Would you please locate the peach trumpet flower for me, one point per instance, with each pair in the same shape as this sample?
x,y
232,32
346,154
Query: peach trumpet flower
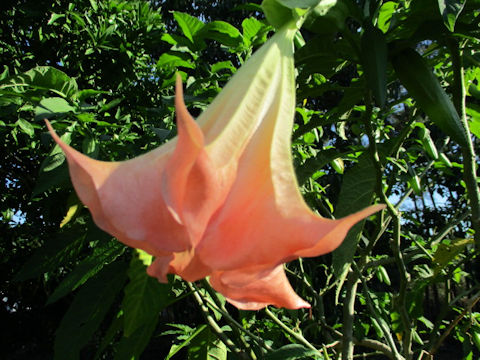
x,y
221,199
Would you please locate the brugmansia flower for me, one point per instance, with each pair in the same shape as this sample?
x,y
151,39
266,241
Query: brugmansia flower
x,y
221,199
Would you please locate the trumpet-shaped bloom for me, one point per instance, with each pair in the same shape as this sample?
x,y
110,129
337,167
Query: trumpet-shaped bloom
x,y
221,199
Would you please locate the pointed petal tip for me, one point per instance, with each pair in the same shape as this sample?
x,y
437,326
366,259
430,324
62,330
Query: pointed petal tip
x,y
52,132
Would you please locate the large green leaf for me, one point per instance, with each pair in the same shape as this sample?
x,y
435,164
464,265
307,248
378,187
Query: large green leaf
x,y
252,30
427,91
144,297
42,78
131,347
374,59
173,60
206,346
87,311
189,24
63,248
50,107
104,253
385,15
186,340
450,10
329,16
356,193
222,32
277,15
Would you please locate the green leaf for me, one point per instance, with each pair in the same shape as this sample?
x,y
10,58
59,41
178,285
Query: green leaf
x,y
222,32
62,249
425,88
374,58
53,170
94,5
328,17
51,107
56,156
189,25
474,121
130,348
54,17
104,253
277,15
176,348
450,10
144,297
356,193
115,327
87,311
42,78
385,15
222,65
252,28
446,253
302,4
90,147
171,61
313,164
206,346
58,176
26,127
292,352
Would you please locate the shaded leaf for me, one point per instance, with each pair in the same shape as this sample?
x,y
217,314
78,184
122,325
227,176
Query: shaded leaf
x,y
64,248
450,10
206,346
374,58
177,347
356,193
144,297
130,348
104,253
87,311
277,15
446,253
425,88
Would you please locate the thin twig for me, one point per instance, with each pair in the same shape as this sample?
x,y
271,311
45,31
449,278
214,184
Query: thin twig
x,y
297,336
215,327
468,308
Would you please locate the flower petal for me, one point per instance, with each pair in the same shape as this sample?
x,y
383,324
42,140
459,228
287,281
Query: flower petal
x,y
184,264
125,199
265,220
190,184
255,288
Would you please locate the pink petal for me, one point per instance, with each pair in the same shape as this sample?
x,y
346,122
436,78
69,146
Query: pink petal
x,y
255,288
125,199
264,219
192,188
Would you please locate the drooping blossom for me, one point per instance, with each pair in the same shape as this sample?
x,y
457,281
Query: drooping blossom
x,y
221,199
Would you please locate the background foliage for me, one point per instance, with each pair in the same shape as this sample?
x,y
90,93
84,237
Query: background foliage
x,y
388,108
